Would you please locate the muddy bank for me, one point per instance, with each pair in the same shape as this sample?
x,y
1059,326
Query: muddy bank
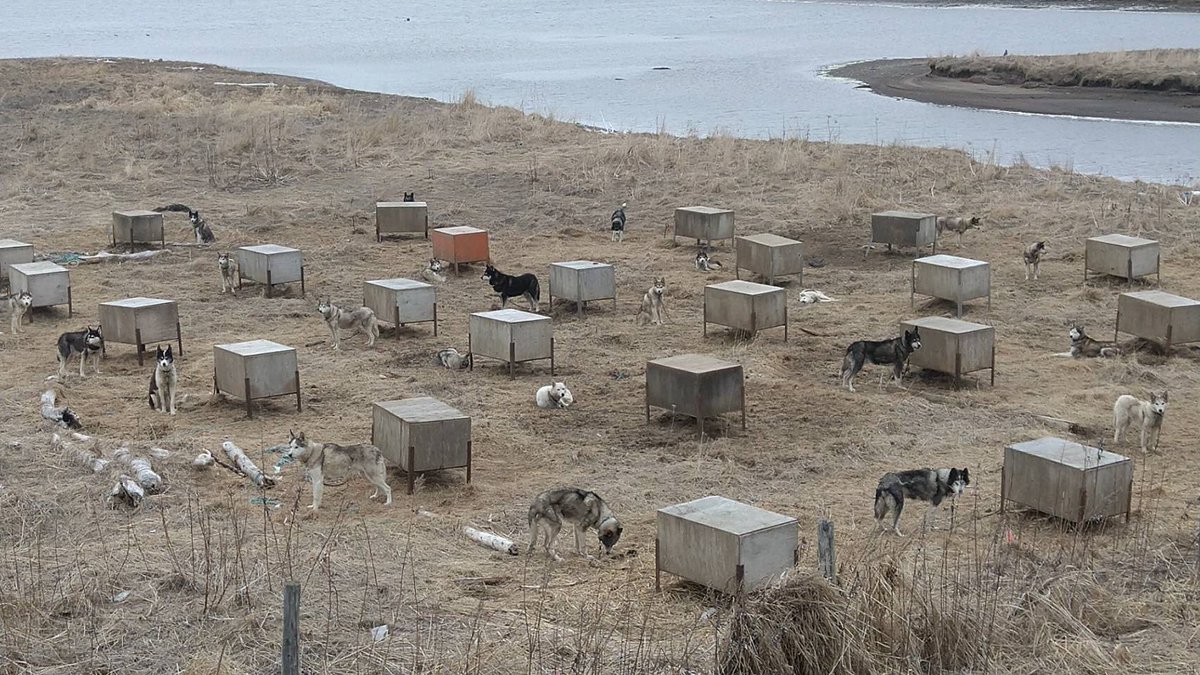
x,y
910,78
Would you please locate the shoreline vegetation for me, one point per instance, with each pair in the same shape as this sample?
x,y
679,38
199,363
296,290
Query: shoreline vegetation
x,y
1159,85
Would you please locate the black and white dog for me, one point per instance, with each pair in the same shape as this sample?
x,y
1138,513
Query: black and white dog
x,y
894,352
85,342
509,286
928,485
618,223
204,233
409,197
163,382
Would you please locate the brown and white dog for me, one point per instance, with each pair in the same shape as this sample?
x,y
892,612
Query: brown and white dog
x,y
1033,258
1148,415
583,509
958,225
337,463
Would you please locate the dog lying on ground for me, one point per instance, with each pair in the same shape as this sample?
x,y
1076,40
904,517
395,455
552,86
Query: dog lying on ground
x,y
618,224
894,352
451,359
204,233
85,343
928,485
163,381
228,273
1033,258
361,319
1083,346
1148,415
508,286
337,463
704,263
582,509
809,297
654,308
433,272
18,305
554,396
958,225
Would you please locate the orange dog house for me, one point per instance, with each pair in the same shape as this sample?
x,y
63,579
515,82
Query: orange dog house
x,y
462,244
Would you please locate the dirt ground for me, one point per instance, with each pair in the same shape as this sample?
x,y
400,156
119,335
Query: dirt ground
x,y
192,581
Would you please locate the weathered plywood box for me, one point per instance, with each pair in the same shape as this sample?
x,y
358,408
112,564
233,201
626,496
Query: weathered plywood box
x,y
953,346
137,227
422,434
1067,480
401,301
904,228
401,218
462,244
696,385
141,322
1161,317
746,306
511,336
725,545
770,256
582,281
13,252
49,283
1122,256
952,278
270,264
256,369
703,223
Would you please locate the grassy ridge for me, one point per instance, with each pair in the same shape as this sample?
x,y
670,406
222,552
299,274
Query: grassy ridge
x,y
1173,70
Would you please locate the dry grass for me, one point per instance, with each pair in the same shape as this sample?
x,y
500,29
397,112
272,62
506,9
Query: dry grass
x,y
1176,70
302,164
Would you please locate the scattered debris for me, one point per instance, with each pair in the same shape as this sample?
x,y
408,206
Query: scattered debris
x,y
245,84
203,460
379,633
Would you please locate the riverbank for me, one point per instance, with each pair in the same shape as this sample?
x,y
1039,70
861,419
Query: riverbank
x,y
911,79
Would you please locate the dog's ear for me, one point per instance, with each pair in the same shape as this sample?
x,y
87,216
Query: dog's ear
x,y
168,352
966,476
292,434
1164,396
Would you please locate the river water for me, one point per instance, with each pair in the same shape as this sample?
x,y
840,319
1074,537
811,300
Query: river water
x,y
745,67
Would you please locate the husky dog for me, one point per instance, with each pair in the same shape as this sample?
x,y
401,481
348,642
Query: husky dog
x,y
618,223
451,359
338,462
409,197
809,297
706,264
894,352
18,305
1033,258
959,225
228,275
929,485
433,272
554,396
654,310
512,287
1083,346
1148,415
361,320
163,382
582,509
204,233
83,342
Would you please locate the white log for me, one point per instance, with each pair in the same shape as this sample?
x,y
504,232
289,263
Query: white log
x,y
105,256
146,477
87,457
127,491
492,541
63,416
203,460
247,467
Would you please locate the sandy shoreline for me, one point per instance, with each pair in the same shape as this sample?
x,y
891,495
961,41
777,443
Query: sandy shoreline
x,y
909,78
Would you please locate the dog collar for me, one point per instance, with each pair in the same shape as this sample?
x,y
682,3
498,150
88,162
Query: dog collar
x,y
605,520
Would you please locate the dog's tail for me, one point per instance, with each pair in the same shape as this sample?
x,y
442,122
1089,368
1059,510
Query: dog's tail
x,y
888,498
179,208
535,290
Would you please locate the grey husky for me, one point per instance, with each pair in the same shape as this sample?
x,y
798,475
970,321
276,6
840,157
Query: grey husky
x,y
958,225
894,352
164,381
433,272
928,485
582,509
228,273
1033,258
654,308
85,342
337,463
361,319
1083,346
204,233
451,358
19,305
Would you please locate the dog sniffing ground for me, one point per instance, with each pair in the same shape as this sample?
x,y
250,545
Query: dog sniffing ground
x,y
191,582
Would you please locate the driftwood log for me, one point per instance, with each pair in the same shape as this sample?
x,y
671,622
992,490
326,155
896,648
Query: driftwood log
x,y
492,541
126,491
62,416
146,477
105,256
248,468
87,456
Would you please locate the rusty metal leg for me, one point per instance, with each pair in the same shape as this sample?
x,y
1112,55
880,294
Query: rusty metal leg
x,y
179,338
412,474
141,348
470,355
469,462
512,357
246,391
435,320
299,407
552,357
657,568
268,283
302,293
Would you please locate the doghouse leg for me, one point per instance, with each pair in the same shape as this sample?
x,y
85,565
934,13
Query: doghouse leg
x,y
299,408
268,283
179,337
552,357
469,462
141,348
512,357
435,319
657,568
246,391
471,362
412,454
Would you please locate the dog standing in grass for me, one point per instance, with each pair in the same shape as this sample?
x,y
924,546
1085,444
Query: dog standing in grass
x,y
1033,258
584,510
338,463
86,342
164,381
957,225
618,224
361,320
228,273
928,485
1148,415
18,305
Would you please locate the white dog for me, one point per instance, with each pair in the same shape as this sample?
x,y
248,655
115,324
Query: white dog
x,y
554,396
1148,415
809,297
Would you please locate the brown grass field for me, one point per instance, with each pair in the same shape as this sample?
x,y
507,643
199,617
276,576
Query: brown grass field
x,y
302,164
1171,70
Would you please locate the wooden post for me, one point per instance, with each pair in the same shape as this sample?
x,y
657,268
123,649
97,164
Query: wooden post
x,y
826,560
291,629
